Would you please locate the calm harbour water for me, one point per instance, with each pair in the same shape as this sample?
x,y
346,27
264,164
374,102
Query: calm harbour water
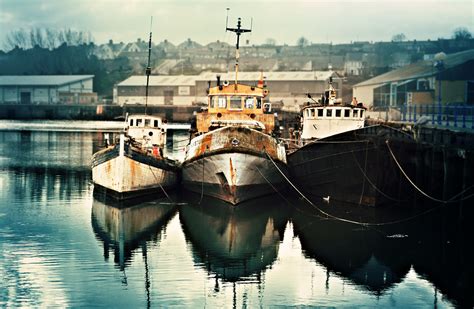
x,y
61,246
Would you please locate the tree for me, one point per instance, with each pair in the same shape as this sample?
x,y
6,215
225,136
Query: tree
x,y
302,42
46,38
270,42
462,34
400,37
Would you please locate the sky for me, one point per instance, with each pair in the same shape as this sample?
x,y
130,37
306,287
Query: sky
x,y
320,21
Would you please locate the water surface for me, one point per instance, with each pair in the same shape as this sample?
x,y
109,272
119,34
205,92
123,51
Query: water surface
x,y
61,246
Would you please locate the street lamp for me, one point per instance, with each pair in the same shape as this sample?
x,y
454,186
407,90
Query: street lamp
x,y
439,65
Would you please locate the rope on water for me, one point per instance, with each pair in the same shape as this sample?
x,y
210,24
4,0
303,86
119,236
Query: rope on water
x,y
451,200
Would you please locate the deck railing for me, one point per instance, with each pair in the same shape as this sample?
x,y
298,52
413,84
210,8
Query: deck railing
x,y
457,116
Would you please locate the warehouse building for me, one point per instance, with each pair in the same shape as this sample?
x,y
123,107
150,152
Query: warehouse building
x,y
447,79
47,89
288,88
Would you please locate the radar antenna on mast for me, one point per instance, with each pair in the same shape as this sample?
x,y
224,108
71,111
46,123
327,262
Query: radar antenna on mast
x,y
238,31
148,68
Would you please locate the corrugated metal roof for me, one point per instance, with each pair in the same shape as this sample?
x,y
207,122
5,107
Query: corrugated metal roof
x,y
41,80
419,69
270,76
161,80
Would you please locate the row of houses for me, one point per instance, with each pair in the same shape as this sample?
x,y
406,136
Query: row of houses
x,y
445,79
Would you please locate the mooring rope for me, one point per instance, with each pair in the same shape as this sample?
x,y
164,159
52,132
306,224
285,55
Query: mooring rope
x,y
159,183
365,168
202,179
365,224
372,184
418,189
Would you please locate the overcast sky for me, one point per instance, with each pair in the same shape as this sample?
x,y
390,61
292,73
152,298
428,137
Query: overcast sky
x,y
320,21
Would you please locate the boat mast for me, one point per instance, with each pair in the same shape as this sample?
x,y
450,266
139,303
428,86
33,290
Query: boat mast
x,y
148,69
238,31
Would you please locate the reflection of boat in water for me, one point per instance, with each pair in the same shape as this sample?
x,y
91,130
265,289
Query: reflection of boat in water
x,y
135,165
124,229
233,150
366,257
234,243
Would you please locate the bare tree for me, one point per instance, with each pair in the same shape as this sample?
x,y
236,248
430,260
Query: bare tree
x,y
302,42
270,42
46,38
400,37
462,34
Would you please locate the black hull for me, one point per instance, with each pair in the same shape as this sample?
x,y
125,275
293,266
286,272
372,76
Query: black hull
x,y
354,167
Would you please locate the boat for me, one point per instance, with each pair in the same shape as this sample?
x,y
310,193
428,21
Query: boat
x,y
329,116
234,153
135,165
340,158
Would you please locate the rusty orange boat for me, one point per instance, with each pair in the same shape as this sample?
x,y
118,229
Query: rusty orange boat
x,y
234,153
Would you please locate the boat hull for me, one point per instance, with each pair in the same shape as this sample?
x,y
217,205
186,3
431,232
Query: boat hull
x,y
353,167
132,173
234,165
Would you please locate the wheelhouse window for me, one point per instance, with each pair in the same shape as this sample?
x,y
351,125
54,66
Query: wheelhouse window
x,y
361,114
131,122
347,113
307,113
329,112
139,122
218,102
155,123
313,113
249,102
338,113
354,113
320,112
235,102
147,122
259,103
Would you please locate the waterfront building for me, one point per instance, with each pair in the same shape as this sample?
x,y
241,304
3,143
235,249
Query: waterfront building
x,y
421,83
47,89
288,88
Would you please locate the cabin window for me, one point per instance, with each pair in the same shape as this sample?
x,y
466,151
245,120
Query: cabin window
x,y
219,102
131,122
249,102
320,112
307,113
259,103
313,113
354,113
139,122
361,114
155,123
235,102
329,112
347,113
338,113
147,122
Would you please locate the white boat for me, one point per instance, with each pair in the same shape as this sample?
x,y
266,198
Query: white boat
x,y
135,165
233,153
330,117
